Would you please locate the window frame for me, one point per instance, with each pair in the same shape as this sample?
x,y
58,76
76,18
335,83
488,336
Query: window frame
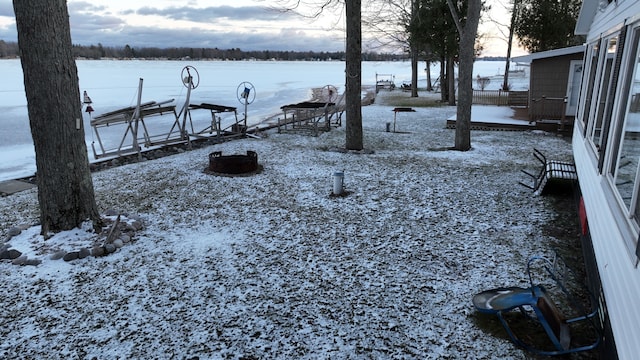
x,y
602,94
589,78
627,217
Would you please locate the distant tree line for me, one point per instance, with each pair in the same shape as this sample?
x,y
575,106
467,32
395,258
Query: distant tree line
x,y
10,50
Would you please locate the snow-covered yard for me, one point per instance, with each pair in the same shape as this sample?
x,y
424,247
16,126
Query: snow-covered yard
x,y
271,266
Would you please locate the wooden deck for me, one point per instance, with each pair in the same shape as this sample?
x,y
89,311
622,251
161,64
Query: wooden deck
x,y
519,121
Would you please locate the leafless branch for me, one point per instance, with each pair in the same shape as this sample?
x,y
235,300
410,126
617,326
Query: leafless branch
x,y
454,15
300,7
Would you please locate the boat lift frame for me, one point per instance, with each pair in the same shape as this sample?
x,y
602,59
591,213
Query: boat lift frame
x,y
314,116
191,81
134,119
238,127
310,116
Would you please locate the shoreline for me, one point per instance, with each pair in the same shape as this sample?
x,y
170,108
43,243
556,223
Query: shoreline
x,y
316,96
7,185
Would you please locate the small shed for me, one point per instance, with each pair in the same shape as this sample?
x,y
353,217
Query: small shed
x,y
554,83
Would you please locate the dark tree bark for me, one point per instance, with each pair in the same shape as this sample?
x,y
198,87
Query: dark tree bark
x,y
414,72
514,12
451,79
428,71
465,75
444,85
353,97
415,4
65,186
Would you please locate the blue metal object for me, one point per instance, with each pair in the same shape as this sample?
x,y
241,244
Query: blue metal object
x,y
535,299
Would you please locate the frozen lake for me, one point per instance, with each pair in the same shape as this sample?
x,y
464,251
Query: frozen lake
x,y
113,84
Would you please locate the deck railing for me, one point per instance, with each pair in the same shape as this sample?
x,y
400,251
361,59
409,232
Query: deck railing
x,y
500,97
548,108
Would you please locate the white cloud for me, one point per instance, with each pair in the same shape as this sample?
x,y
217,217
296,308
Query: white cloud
x,y
244,24
166,25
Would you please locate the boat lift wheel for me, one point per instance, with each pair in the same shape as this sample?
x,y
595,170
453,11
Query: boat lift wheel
x,y
246,93
329,93
190,77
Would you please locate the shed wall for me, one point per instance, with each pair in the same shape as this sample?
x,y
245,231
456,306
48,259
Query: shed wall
x,y
548,86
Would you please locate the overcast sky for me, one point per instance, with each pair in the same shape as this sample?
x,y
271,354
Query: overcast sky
x,y
225,24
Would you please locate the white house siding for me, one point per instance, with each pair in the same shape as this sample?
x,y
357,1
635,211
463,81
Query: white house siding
x,y
612,17
620,279
616,262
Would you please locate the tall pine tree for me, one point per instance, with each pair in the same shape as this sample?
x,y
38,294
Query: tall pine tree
x,y
542,25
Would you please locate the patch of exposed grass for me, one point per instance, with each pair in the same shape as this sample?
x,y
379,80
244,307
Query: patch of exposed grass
x,y
399,98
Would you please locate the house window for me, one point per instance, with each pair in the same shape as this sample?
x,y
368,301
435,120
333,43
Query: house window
x,y
573,87
626,140
591,63
604,93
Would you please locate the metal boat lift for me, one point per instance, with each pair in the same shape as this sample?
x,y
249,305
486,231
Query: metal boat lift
x,y
314,116
385,82
136,128
137,132
216,122
238,127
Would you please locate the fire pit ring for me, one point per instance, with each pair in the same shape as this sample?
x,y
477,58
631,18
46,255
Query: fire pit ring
x,y
233,164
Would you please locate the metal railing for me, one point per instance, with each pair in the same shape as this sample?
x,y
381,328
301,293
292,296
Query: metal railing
x,y
548,108
500,97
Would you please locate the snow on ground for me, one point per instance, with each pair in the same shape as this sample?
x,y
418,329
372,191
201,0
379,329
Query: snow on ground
x,y
271,266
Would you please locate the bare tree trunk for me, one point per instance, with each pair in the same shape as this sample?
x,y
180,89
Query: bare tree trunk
x,y
428,70
353,97
451,77
465,75
514,12
444,85
415,5
414,72
65,186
